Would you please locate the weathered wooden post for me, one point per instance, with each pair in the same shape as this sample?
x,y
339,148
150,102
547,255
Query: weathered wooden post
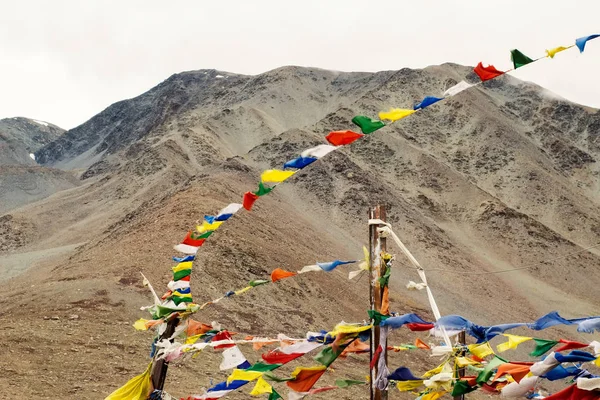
x,y
377,269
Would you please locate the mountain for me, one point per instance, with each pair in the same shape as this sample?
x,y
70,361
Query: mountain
x,y
20,137
495,191
22,180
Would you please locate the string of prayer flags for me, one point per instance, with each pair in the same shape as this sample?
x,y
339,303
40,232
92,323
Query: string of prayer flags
x,y
456,89
341,138
137,388
519,59
512,343
580,42
279,274
542,346
299,162
275,175
366,124
395,114
426,102
486,73
552,52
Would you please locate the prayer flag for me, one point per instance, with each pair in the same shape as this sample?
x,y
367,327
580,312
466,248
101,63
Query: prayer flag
x,y
456,89
406,386
486,73
340,138
344,383
552,52
513,342
299,162
262,189
305,378
279,274
249,199
542,346
519,59
261,387
481,350
395,114
275,175
137,388
569,344
366,124
426,102
580,43
318,152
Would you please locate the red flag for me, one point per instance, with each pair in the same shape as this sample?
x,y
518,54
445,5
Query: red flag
x,y
339,138
419,327
223,335
249,199
192,242
574,393
421,344
277,357
517,370
486,73
279,274
376,357
569,345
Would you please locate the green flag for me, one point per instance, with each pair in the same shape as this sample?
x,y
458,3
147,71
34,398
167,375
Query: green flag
x,y
385,279
274,395
462,387
204,235
542,346
262,190
488,371
344,383
262,367
366,124
327,356
257,282
519,59
377,317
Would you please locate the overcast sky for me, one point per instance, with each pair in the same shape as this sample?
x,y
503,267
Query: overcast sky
x,y
65,61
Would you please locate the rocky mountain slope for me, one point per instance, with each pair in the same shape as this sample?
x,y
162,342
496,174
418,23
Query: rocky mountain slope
x,y
500,177
22,180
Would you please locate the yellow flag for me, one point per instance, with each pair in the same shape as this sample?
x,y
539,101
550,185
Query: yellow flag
x,y
481,350
208,227
462,362
340,328
243,375
261,387
183,265
552,52
406,386
513,342
244,290
275,175
597,362
140,324
436,370
433,395
395,114
137,388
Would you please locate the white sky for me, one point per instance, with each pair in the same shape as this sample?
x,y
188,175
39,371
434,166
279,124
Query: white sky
x,y
65,61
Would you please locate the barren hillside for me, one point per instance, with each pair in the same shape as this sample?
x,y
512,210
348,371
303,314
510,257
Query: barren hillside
x,y
499,177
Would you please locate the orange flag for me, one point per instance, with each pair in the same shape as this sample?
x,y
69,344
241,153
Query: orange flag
x,y
279,274
421,344
305,378
196,328
517,370
355,347
385,301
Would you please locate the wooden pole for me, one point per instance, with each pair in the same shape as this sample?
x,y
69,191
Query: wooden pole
x,y
376,271
159,368
462,339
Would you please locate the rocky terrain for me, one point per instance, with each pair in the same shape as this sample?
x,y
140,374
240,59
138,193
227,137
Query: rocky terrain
x,y
500,177
22,180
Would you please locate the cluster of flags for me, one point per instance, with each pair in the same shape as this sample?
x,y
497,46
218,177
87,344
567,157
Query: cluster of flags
x,y
179,298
